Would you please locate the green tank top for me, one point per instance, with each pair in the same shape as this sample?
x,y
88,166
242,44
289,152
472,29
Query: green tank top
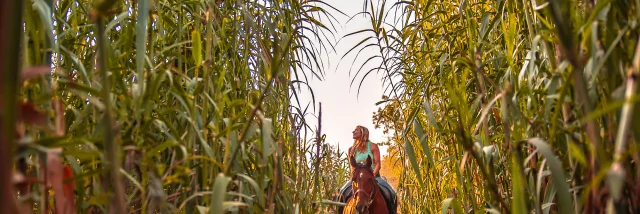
x,y
361,157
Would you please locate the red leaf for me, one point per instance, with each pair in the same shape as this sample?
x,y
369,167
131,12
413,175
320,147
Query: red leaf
x,y
68,189
30,115
55,176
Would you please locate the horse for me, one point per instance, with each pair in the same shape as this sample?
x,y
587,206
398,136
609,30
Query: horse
x,y
367,195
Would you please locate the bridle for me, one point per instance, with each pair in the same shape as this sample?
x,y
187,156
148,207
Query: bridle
x,y
371,196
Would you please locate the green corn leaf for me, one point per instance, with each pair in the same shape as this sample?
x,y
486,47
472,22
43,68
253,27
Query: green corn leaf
x,y
451,203
423,141
565,202
219,193
412,158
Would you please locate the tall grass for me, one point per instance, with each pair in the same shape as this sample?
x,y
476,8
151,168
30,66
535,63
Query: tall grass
x,y
165,106
518,106
192,106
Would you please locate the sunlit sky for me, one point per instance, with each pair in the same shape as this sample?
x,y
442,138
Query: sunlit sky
x,y
342,108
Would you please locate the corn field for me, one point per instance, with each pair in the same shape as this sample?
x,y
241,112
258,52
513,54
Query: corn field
x,y
163,107
510,106
193,106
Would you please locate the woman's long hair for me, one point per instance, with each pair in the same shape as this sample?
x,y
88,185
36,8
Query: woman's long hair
x,y
364,137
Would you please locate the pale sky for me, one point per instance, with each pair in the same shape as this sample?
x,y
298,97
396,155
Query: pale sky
x,y
342,108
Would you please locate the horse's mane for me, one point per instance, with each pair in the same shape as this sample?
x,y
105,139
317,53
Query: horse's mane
x,y
361,165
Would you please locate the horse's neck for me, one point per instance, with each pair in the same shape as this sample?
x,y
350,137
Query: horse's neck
x,y
380,205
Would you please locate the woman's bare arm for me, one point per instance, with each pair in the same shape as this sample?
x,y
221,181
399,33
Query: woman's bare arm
x,y
348,157
376,157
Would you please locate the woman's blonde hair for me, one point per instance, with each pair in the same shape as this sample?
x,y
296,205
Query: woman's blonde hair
x,y
364,133
364,137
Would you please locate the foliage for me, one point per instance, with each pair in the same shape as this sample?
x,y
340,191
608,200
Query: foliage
x,y
391,168
516,106
166,106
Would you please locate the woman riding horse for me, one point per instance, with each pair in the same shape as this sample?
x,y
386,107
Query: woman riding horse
x,y
361,150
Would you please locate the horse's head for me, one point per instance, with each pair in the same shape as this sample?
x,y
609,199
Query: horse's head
x,y
363,184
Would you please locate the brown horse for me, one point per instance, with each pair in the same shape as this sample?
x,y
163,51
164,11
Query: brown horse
x,y
367,195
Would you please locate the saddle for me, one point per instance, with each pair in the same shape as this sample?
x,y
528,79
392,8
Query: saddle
x,y
392,202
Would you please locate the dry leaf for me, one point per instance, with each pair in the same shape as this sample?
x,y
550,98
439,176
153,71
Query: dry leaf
x,y
59,117
29,73
19,130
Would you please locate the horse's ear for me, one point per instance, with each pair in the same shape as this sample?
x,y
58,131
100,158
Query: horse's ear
x,y
352,161
368,162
